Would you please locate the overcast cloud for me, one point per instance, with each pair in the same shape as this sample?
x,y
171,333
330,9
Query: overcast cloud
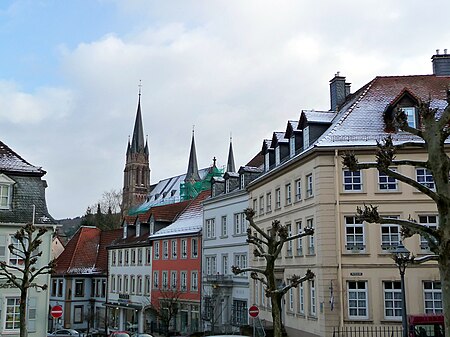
x,y
68,99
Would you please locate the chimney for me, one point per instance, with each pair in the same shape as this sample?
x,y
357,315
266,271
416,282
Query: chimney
x,y
338,91
441,63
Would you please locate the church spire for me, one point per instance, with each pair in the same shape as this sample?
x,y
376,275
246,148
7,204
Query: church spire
x,y
192,171
230,163
137,143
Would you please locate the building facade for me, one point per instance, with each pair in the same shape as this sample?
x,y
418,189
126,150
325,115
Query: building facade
x,y
22,201
305,185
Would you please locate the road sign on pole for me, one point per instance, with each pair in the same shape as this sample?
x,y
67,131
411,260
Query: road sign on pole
x,y
56,311
253,311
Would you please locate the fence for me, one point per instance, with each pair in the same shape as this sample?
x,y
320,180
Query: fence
x,y
368,331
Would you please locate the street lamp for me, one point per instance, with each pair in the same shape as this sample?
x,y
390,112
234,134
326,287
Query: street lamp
x,y
401,257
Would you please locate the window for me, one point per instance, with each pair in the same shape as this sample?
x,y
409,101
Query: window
x,y
183,248
309,186
148,256
390,235
183,280
301,299
14,258
31,324
173,279
224,226
261,205
298,224
78,314
6,188
242,181
60,288
311,243
306,137
120,254
165,249
194,248
174,249
289,243
386,183
357,299
266,161
139,254
298,190
113,283
352,181
430,221
277,155
12,319
255,205
133,256
211,266
432,294
240,260
126,284
147,286
354,234
114,257
127,257
156,250
291,299
210,228
313,304
227,186
240,224
165,279
269,202
425,178
410,113
119,286
277,198
287,190
133,284
240,314
194,281
292,146
155,280
139,285
224,264
79,288
392,299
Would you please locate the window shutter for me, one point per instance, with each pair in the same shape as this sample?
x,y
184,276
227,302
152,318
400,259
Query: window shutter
x,y
32,314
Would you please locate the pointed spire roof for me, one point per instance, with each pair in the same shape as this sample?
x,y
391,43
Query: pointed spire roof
x,y
230,163
192,172
137,143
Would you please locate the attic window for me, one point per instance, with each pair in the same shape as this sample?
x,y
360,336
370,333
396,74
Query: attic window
x,y
266,161
306,137
172,193
410,116
292,146
6,188
164,194
277,155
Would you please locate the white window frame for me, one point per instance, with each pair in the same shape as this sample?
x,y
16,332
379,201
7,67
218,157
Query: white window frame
x,y
355,239
184,250
387,183
194,280
411,118
210,225
173,279
388,234
173,250
289,244
425,177
432,297
292,146
277,198
165,249
12,305
311,241
156,251
277,155
224,226
313,298
261,205
194,248
298,189
392,297
298,225
183,280
352,181
301,299
268,202
288,193
430,221
155,279
357,300
225,264
309,186
6,191
306,137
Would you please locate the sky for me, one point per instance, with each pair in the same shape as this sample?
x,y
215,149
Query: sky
x,y
70,74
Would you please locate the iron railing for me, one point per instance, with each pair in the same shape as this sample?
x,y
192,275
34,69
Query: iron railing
x,y
368,331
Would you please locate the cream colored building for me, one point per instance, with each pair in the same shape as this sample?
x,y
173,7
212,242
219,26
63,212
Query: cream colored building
x,y
305,184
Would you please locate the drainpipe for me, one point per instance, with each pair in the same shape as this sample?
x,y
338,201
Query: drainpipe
x,y
339,238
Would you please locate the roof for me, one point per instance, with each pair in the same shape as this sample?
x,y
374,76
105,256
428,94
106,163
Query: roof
x,y
86,252
320,117
353,126
10,161
189,222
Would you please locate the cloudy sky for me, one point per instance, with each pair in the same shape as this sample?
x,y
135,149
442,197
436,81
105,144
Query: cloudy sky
x,y
70,72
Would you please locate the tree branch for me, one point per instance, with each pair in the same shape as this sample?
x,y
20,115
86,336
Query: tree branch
x,y
307,231
295,281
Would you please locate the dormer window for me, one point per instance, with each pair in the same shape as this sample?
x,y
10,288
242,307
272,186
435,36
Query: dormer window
x,y
267,161
306,137
227,186
6,187
277,155
242,178
410,116
292,146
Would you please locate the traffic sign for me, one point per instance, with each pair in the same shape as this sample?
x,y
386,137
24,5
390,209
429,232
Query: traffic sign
x,y
253,311
56,311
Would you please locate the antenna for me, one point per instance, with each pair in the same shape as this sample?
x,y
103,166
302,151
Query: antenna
x,y
140,87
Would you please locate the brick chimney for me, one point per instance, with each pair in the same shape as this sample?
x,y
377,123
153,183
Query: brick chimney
x,y
339,90
441,63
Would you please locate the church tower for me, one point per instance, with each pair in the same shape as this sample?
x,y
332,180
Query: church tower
x,y
136,177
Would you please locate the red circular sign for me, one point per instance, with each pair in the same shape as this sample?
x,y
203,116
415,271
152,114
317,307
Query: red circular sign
x,y
56,311
253,311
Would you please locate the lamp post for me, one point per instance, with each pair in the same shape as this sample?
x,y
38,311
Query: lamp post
x,y
401,257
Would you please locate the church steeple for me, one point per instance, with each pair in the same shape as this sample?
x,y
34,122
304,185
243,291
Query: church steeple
x,y
192,171
230,163
136,181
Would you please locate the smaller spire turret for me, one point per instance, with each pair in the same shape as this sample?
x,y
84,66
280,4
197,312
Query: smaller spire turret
x,y
192,171
230,162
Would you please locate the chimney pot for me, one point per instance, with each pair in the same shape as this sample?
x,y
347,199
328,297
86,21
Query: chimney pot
x,y
437,51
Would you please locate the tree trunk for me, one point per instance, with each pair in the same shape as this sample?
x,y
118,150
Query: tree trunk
x,y
276,315
23,313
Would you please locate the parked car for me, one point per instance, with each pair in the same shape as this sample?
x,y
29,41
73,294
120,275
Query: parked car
x,y
142,335
119,334
65,333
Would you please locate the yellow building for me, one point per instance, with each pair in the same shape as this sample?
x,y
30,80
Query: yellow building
x,y
305,184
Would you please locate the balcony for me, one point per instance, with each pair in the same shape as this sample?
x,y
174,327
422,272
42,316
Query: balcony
x,y
219,280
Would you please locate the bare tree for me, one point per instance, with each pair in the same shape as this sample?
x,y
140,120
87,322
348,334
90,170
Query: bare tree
x,y
432,133
268,245
23,276
165,307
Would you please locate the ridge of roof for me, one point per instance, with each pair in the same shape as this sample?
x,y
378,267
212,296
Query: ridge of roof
x,y
12,161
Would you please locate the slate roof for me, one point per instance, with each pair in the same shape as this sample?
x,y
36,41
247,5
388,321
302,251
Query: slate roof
x,y
11,162
189,222
360,120
85,253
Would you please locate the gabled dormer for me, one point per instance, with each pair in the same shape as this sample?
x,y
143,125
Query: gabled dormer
x,y
269,154
231,181
247,174
313,124
281,146
294,137
408,102
217,186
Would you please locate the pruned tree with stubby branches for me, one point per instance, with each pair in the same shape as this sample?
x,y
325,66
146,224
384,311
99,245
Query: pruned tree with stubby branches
x,y
269,245
432,136
165,306
23,275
